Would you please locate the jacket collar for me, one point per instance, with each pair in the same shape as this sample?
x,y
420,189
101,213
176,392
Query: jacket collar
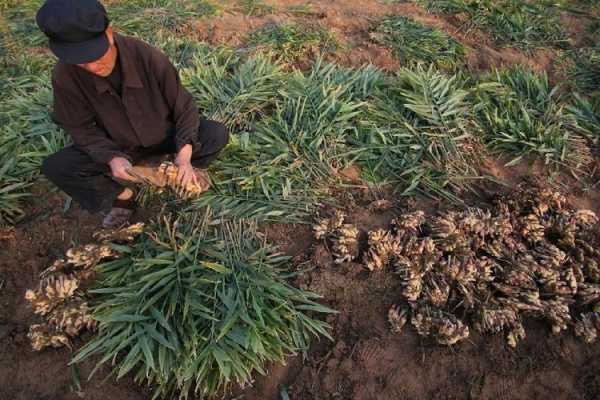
x,y
131,77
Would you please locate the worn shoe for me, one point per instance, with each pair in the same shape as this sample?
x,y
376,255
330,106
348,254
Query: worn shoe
x,y
120,214
117,218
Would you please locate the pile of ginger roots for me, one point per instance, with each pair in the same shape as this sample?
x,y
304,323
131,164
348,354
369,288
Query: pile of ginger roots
x,y
529,255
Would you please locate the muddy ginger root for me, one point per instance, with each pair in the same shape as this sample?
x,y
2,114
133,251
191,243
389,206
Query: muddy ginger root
x,y
408,224
72,318
587,327
589,293
125,234
41,336
436,291
345,244
328,226
397,318
445,328
411,278
87,256
382,248
532,229
501,320
59,298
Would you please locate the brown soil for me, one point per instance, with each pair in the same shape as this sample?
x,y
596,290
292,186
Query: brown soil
x,y
365,360
352,22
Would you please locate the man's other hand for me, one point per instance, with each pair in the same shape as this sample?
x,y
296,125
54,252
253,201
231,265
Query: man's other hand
x,y
185,175
119,167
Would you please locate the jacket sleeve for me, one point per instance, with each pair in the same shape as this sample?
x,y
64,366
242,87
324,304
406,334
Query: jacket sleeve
x,y
73,113
180,101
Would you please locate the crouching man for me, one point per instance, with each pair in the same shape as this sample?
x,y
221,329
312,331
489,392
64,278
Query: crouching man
x,y
121,101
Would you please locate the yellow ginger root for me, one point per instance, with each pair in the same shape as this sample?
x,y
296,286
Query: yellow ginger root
x,y
42,336
326,227
170,172
87,256
397,317
345,244
445,328
498,320
125,234
382,247
72,318
165,176
587,327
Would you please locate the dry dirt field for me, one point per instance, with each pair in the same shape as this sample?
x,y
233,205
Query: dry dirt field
x,y
366,361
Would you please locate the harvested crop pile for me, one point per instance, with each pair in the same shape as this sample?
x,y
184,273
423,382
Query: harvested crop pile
x,y
60,298
165,176
196,304
530,255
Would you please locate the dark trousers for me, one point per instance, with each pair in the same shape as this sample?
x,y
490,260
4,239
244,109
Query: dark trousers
x,y
90,184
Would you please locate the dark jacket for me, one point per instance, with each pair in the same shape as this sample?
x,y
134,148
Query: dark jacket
x,y
153,105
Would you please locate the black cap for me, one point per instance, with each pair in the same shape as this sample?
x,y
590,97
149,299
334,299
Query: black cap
x,y
76,29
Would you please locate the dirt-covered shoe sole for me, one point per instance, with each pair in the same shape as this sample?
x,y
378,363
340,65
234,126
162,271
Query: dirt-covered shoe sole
x,y
117,218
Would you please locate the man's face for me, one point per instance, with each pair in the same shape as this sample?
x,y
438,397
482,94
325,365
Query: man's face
x,y
105,64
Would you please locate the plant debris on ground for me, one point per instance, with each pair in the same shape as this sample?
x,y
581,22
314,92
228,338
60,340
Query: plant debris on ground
x,y
520,113
294,43
519,23
414,43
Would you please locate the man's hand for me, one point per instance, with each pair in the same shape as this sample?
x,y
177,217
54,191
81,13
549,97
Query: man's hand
x,y
186,174
119,167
